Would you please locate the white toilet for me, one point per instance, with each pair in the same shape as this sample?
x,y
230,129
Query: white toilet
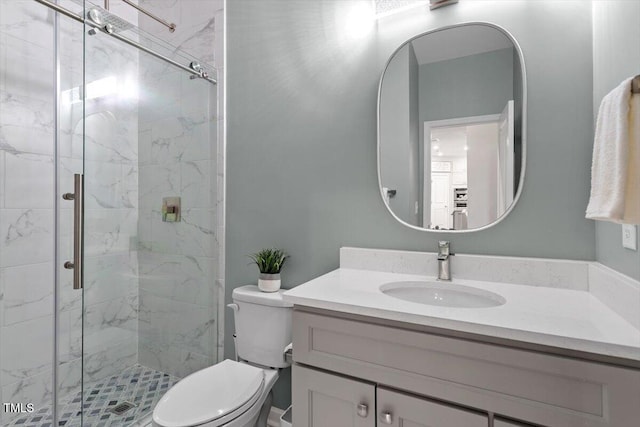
x,y
230,393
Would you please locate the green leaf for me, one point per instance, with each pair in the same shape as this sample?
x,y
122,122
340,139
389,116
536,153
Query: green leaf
x,y
269,261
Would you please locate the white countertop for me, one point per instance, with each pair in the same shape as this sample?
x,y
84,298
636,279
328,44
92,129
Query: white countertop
x,y
564,318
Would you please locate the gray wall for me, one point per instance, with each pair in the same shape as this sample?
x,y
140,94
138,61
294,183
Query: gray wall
x,y
399,130
517,126
474,85
301,154
616,56
414,135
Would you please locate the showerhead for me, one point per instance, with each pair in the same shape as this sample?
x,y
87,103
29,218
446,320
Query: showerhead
x,y
108,21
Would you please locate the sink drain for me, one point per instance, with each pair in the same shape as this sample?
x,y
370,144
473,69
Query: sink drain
x,y
121,408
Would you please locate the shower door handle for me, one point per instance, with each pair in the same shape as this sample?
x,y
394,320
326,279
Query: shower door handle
x,y
78,228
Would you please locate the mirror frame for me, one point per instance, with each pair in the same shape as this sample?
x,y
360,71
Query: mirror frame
x,y
523,166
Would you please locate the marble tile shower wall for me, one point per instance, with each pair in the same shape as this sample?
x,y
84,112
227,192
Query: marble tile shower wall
x,y
111,208
110,153
180,275
27,221
26,205
180,267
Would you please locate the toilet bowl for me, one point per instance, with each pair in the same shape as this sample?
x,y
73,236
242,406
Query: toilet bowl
x,y
230,393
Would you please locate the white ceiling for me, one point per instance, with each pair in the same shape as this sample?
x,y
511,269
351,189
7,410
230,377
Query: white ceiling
x,y
450,142
458,42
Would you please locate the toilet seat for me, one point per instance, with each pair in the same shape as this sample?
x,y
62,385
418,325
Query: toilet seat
x,y
211,397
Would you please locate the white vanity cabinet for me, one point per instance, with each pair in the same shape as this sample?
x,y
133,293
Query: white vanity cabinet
x,y
323,399
410,373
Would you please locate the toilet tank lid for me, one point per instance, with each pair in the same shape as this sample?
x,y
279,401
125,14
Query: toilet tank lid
x,y
253,295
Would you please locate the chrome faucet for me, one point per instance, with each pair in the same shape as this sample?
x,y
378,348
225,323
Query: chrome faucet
x,y
444,269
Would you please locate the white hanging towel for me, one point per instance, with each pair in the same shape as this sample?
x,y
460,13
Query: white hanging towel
x,y
632,190
615,168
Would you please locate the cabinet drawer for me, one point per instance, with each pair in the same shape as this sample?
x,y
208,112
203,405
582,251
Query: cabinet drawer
x,y
540,388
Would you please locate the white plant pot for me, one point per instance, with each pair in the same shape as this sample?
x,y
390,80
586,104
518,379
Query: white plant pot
x,y
269,282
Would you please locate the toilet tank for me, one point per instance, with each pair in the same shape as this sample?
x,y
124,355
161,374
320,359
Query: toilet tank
x,y
263,326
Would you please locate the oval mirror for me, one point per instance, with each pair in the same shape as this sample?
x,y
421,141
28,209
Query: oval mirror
x,y
451,128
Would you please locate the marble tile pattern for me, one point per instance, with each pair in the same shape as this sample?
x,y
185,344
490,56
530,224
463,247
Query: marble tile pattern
x,y
27,201
26,205
565,274
141,275
181,290
105,147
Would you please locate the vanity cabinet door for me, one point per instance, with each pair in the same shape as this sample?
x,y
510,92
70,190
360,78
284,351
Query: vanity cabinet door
x,y
401,410
325,400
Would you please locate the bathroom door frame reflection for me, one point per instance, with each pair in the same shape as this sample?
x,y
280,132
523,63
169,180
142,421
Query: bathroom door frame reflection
x,y
504,163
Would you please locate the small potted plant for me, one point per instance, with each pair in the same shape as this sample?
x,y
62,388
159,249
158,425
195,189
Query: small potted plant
x,y
270,263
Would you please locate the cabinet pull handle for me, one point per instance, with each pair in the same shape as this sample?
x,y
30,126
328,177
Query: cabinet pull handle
x,y
363,410
386,418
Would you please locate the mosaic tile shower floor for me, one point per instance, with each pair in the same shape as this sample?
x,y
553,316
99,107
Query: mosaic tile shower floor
x,y
139,385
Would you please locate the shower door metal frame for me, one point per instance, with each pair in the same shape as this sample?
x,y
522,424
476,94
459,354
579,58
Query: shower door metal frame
x,y
56,216
193,68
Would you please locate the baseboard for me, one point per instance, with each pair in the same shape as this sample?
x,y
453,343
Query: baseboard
x,y
274,417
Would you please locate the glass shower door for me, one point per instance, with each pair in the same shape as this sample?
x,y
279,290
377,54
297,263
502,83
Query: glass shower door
x,y
149,300
40,316
77,102
70,106
142,133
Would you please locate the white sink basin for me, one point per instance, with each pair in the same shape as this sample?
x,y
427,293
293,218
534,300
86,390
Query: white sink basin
x,y
442,294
